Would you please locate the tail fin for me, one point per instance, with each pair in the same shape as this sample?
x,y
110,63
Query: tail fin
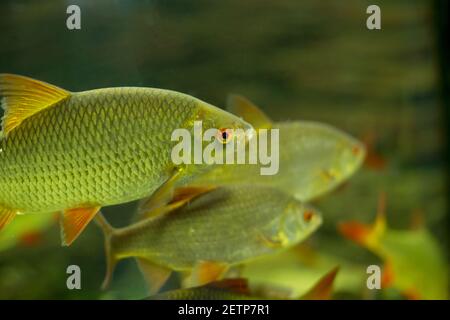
x,y
111,261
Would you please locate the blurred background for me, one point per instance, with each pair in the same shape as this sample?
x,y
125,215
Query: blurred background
x,y
309,60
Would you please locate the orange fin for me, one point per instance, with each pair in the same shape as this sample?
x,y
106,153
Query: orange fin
x,y
363,234
355,231
6,216
74,221
242,107
322,290
24,97
388,275
179,197
238,285
155,276
207,271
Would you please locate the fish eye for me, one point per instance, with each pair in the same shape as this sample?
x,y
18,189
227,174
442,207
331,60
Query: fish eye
x,y
224,135
308,215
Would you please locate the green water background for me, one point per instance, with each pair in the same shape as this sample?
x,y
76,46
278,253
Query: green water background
x,y
312,60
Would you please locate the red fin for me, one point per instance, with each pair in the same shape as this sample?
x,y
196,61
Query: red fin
x,y
322,290
238,285
208,271
74,221
355,231
363,234
388,276
6,216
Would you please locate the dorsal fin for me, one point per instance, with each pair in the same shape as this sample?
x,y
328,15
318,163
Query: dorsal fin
x,y
244,108
24,97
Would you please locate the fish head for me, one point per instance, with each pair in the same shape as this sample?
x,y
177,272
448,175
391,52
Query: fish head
x,y
226,132
299,222
320,157
349,156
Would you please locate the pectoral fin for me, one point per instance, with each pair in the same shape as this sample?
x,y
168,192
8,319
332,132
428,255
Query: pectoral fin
x,y
151,206
207,271
242,107
6,216
271,243
155,276
322,290
74,221
180,197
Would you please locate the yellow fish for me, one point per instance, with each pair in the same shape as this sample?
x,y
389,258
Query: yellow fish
x,y
206,234
314,158
75,152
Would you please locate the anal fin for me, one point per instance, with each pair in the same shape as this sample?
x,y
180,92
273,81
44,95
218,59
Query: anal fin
x,y
74,221
155,276
207,271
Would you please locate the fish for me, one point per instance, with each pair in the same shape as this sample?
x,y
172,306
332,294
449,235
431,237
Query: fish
x,y
202,236
413,261
75,152
314,158
239,289
299,267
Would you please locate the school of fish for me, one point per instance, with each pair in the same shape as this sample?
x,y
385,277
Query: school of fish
x,y
72,153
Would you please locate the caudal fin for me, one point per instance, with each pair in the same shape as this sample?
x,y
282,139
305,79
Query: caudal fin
x,y
111,261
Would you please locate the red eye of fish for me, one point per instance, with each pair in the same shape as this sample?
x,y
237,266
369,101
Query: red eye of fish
x,y
224,135
307,215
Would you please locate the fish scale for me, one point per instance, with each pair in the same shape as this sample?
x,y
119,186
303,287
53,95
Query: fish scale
x,y
228,225
56,158
77,152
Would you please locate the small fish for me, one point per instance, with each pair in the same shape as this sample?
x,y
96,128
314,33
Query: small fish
x,y
206,234
314,158
75,152
238,289
414,263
